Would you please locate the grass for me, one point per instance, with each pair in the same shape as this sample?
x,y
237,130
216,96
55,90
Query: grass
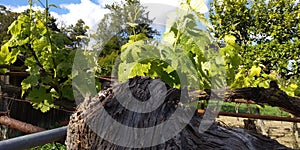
x,y
243,108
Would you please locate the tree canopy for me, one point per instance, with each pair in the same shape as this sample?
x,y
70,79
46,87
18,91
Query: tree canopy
x,y
75,33
124,19
267,31
6,18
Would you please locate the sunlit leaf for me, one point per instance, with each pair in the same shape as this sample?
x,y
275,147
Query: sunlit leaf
x,y
199,6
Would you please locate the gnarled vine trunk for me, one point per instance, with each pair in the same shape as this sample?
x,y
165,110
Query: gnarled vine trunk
x,y
81,136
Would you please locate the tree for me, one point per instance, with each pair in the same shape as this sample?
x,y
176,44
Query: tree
x,y
6,18
267,31
125,19
75,32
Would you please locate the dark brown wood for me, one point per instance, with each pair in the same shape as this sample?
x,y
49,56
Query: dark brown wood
x,y
14,68
11,90
105,78
17,74
249,124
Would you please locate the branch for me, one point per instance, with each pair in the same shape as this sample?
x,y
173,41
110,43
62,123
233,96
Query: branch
x,y
270,96
19,125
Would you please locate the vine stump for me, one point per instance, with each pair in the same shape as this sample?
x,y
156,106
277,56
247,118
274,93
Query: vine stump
x,y
80,136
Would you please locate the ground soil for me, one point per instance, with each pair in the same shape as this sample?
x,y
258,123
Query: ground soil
x,y
278,130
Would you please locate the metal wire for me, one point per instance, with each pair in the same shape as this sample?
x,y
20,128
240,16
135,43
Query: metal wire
x,y
28,101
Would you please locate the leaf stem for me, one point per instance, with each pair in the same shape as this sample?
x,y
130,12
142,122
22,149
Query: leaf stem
x,y
36,58
177,39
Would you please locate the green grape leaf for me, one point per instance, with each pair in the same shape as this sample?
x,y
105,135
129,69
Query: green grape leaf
x,y
12,56
169,69
254,71
124,71
31,81
293,86
38,95
44,106
4,54
63,69
135,53
264,84
16,27
247,82
169,38
139,70
230,39
67,92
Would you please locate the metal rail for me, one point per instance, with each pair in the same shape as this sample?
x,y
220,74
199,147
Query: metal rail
x,y
33,140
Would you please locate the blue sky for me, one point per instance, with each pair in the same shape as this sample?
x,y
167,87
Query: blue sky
x,y
17,3
69,11
91,11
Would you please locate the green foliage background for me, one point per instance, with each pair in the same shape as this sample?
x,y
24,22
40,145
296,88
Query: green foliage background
x,y
268,32
46,59
248,56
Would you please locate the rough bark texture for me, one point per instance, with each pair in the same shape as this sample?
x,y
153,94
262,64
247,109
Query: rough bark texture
x,y
270,96
80,136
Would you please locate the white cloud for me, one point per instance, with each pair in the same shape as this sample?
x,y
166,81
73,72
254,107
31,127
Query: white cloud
x,y
86,10
159,12
159,9
174,3
92,13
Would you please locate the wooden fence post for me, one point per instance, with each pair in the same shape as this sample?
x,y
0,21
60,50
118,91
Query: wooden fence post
x,y
295,135
260,123
3,109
